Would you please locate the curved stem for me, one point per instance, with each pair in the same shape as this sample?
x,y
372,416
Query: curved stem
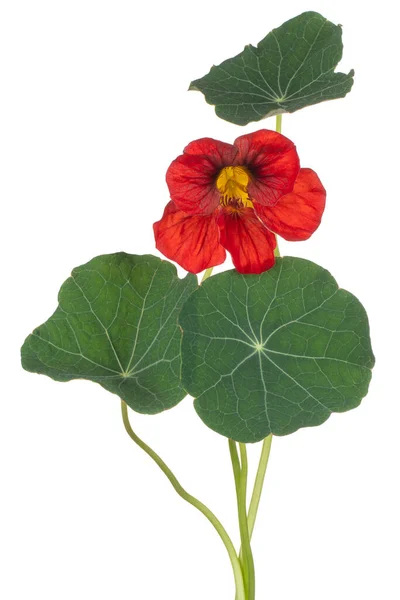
x,y
258,484
191,500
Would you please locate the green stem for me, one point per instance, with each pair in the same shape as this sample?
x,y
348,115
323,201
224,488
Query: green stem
x,y
258,487
237,571
237,477
207,274
258,484
240,473
244,527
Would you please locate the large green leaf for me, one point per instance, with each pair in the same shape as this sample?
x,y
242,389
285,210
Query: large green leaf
x,y
116,324
292,67
274,352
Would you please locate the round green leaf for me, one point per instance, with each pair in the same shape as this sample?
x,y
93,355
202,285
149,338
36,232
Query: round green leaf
x,y
116,324
291,68
274,352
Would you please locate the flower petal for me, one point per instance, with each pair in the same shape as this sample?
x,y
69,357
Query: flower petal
x,y
190,240
191,183
191,177
250,243
297,215
221,153
273,163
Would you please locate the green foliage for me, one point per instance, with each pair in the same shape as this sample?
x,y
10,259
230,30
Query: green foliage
x,y
291,68
116,324
275,352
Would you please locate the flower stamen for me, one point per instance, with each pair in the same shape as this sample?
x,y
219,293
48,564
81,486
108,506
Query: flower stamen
x,y
232,184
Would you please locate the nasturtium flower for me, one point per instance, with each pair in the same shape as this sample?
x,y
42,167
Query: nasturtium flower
x,y
236,198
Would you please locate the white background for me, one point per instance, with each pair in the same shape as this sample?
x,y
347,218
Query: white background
x,y
93,109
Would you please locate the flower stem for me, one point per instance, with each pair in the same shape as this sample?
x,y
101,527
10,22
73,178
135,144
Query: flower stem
x,y
257,490
237,476
240,475
258,484
237,571
278,125
207,274
244,527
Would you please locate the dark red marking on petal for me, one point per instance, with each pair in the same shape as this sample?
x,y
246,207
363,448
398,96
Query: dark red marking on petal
x,y
273,163
191,183
192,176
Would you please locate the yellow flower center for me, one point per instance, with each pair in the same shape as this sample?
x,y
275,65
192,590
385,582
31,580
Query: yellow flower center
x,y
232,184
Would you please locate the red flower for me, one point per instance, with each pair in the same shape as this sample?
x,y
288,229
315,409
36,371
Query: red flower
x,y
236,198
